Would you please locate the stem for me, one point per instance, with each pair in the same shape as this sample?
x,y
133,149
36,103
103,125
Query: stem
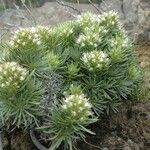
x,y
36,142
97,147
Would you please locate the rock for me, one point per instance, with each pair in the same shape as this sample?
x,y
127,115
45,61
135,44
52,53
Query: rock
x,y
135,15
129,9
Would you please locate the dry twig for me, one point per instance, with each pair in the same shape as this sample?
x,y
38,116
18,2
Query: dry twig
x,y
95,6
66,5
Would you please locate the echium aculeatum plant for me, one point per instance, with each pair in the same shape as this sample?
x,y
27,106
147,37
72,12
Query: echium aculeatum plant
x,y
92,53
68,121
19,96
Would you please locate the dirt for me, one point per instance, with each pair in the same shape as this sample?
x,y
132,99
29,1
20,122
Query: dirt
x,y
143,53
127,130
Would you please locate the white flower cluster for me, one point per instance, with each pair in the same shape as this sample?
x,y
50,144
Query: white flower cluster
x,y
11,74
77,106
64,30
122,41
43,32
89,38
25,37
95,60
110,14
110,18
113,42
87,18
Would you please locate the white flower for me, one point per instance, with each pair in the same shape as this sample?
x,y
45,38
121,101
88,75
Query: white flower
x,y
18,41
82,44
34,40
64,107
74,113
21,78
5,72
95,60
24,43
38,42
11,43
33,29
7,83
36,35
23,33
29,37
2,85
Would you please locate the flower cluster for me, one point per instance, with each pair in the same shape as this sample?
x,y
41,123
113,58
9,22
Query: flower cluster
x,y
64,30
85,19
43,32
109,19
95,60
11,74
121,40
25,38
92,36
63,35
89,39
52,60
77,106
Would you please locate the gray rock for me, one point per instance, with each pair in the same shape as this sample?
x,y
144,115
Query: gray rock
x,y
134,14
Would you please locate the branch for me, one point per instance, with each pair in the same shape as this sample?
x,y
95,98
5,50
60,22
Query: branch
x,y
30,13
66,5
95,6
36,142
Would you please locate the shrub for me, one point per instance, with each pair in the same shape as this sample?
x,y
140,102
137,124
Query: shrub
x,y
85,67
67,122
20,96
